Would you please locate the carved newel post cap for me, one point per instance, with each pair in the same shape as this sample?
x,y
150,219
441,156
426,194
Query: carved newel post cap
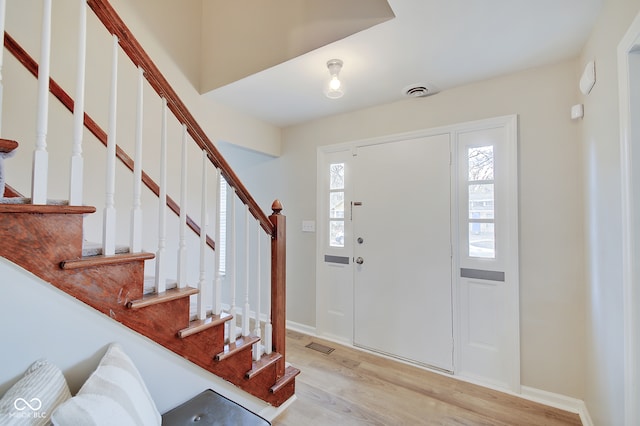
x,y
276,207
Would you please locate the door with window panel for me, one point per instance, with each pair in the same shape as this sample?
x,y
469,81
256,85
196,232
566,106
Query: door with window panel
x,y
487,288
334,295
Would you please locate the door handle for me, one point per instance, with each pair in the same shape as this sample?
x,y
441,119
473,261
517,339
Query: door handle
x,y
359,260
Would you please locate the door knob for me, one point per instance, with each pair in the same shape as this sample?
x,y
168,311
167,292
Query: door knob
x,y
360,240
359,260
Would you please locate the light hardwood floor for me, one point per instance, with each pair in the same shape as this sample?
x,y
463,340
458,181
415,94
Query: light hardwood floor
x,y
352,387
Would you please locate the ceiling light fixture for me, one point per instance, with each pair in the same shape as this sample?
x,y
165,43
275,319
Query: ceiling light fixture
x,y
334,88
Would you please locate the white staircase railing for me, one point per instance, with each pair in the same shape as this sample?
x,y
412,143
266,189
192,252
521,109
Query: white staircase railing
x,y
217,291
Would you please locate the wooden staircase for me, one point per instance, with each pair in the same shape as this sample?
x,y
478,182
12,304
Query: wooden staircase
x,y
47,240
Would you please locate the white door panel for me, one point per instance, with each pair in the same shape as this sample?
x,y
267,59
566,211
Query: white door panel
x,y
487,290
402,215
334,294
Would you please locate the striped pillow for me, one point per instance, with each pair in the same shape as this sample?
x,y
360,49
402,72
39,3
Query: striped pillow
x,y
114,394
32,399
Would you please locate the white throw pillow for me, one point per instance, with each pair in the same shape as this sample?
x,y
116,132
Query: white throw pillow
x,y
114,394
32,400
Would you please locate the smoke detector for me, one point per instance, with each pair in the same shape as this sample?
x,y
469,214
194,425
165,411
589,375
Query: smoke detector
x,y
419,91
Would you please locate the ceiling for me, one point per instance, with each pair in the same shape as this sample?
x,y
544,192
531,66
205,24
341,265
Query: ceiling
x,y
439,44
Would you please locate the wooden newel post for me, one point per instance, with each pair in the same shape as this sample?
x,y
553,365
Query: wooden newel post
x,y
278,282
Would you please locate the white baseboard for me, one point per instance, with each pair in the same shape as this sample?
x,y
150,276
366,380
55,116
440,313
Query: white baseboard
x,y
301,328
562,402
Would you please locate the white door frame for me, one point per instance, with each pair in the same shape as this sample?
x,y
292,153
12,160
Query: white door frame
x,y
347,337
629,60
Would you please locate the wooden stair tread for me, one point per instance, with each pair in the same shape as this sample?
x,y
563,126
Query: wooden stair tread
x,y
90,261
11,205
241,344
264,362
7,145
197,325
290,374
166,296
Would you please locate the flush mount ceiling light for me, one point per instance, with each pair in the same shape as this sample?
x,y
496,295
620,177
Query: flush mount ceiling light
x,y
334,87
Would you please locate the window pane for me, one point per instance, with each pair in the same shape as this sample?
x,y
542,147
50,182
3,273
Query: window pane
x,y
481,201
482,240
481,163
336,205
336,175
336,233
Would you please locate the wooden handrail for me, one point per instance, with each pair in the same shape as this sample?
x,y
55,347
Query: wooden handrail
x,y
56,90
129,44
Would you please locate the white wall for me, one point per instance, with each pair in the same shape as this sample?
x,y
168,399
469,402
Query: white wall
x,y
221,123
601,141
39,321
551,204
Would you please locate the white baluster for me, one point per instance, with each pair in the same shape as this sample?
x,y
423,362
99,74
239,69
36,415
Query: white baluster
x,y
202,308
182,245
161,278
136,210
3,9
256,330
40,155
268,328
246,313
77,162
232,268
109,227
217,284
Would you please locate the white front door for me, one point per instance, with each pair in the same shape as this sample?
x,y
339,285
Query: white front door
x,y
401,211
437,215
